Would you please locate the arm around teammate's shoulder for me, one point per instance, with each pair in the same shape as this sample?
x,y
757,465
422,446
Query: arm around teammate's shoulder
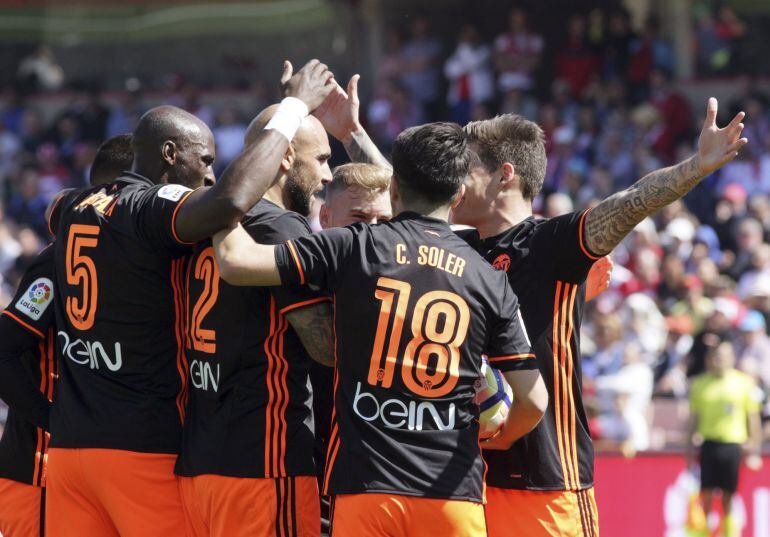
x,y
244,262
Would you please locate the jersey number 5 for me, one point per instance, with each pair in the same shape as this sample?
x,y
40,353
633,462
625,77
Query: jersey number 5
x,y
81,271
206,269
431,361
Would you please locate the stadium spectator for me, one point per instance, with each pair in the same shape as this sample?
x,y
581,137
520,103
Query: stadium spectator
x,y
518,53
470,74
420,68
39,71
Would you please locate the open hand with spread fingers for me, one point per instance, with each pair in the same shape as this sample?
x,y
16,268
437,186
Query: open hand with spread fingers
x,y
339,112
717,147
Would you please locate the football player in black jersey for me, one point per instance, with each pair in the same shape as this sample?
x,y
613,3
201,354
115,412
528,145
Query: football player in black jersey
x,y
543,485
415,309
247,443
120,312
28,370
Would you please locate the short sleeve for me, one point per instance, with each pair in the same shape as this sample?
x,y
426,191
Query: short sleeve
x,y
695,391
279,230
317,259
753,396
32,306
561,241
155,214
509,347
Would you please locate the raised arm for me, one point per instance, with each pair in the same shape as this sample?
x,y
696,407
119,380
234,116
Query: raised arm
x,y
244,182
244,262
339,115
614,218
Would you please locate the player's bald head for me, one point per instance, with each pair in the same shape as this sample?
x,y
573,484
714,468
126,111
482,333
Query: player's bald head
x,y
305,168
309,128
173,146
168,123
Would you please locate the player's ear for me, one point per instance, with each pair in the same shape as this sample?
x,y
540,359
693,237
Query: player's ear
x,y
169,152
459,196
508,179
288,159
323,216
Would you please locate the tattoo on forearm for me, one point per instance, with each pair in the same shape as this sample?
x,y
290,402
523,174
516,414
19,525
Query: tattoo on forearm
x,y
361,148
314,327
609,222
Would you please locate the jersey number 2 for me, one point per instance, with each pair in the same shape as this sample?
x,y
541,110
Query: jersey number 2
x,y
431,361
81,271
206,269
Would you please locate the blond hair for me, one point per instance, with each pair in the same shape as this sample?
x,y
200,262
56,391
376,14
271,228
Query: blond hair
x,y
371,178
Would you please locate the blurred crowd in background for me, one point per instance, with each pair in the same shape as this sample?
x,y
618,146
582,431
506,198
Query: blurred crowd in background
x,y
697,274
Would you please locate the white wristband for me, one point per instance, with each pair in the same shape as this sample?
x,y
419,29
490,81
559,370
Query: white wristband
x,y
288,117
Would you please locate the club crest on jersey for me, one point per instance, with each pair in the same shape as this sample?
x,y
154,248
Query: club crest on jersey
x,y
173,192
37,299
502,262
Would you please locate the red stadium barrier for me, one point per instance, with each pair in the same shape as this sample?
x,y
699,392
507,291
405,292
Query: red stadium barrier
x,y
649,496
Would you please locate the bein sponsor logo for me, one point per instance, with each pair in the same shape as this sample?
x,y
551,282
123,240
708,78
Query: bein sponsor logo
x,y
90,353
204,376
397,414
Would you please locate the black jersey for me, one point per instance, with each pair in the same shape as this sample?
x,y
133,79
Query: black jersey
x,y
249,412
119,317
24,447
547,264
415,310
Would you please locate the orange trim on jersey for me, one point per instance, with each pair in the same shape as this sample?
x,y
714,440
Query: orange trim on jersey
x,y
173,219
56,203
571,408
276,426
294,256
284,403
557,382
334,440
566,382
29,327
270,392
304,304
583,246
510,357
177,266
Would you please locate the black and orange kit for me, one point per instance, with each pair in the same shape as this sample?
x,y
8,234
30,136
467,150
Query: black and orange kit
x,y
120,396
415,309
26,332
547,263
249,413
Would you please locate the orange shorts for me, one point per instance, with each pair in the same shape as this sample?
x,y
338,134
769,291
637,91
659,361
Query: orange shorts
x,y
219,506
21,509
386,515
109,492
541,513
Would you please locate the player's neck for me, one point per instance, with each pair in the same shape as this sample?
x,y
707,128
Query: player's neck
x,y
506,213
439,213
274,194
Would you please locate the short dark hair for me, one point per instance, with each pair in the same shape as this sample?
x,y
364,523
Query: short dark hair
x,y
515,139
112,158
431,161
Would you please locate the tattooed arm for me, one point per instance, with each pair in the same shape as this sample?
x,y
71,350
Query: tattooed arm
x,y
614,218
314,327
361,148
339,116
